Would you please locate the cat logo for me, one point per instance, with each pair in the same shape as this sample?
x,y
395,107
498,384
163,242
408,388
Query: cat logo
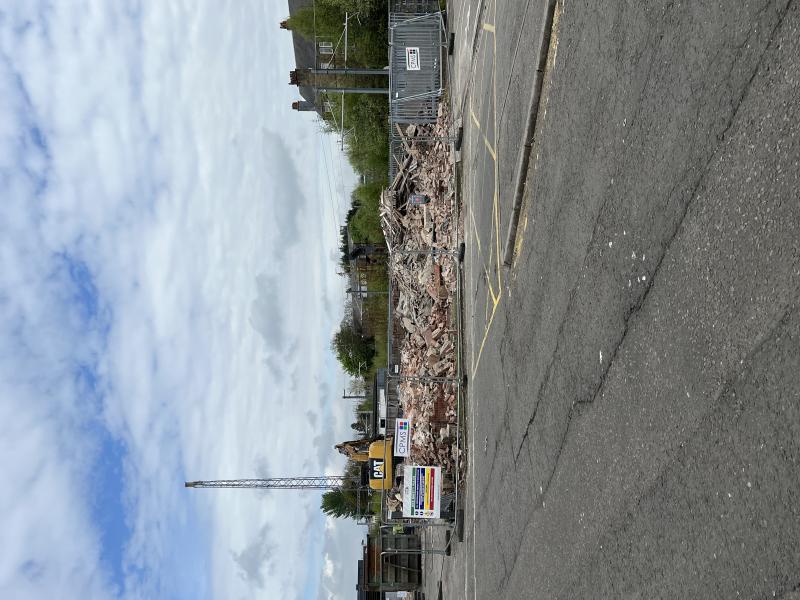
x,y
380,467
376,468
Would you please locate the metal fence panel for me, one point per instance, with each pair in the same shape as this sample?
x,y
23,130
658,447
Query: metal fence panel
x,y
397,154
444,425
414,99
416,40
414,6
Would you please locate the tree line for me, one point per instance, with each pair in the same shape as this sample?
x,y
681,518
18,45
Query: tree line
x,y
367,148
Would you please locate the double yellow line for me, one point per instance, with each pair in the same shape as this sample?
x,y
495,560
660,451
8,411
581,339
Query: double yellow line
x,y
493,296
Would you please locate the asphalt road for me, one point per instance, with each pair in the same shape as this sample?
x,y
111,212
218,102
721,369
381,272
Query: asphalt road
x,y
634,393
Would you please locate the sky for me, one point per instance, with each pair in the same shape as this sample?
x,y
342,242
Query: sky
x,y
168,291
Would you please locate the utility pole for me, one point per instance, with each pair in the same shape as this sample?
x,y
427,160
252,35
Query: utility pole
x,y
329,80
348,71
368,292
352,90
341,131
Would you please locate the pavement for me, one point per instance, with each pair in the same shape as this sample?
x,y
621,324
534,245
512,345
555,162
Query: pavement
x,y
634,378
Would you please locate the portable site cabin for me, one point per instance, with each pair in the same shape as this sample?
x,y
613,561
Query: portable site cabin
x,y
387,403
380,396
391,562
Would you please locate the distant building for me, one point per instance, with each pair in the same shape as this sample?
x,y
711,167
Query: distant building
x,y
305,57
303,106
310,54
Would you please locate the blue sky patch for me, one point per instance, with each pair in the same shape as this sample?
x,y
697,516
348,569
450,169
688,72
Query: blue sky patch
x,y
81,293
107,483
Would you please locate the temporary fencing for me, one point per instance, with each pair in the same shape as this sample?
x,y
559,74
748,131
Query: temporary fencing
x,y
416,43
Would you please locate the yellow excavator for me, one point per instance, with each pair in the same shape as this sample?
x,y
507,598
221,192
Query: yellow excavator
x,y
377,452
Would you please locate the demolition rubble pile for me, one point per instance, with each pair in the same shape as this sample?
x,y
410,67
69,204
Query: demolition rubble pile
x,y
422,239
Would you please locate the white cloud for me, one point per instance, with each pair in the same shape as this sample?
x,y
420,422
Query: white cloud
x,y
256,558
149,169
327,567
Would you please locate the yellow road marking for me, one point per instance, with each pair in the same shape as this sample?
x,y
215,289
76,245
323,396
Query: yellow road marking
x,y
494,249
480,250
474,118
483,342
489,147
475,228
496,165
488,275
549,68
520,234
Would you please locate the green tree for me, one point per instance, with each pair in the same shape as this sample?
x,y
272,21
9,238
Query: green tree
x,y
354,351
367,44
364,8
345,503
365,221
366,115
359,426
327,21
344,246
367,121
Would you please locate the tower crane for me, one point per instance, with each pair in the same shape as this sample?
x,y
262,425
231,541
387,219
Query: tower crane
x,y
325,482
374,453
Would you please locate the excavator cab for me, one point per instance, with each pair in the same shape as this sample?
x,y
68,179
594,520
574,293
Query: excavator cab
x,y
377,455
381,469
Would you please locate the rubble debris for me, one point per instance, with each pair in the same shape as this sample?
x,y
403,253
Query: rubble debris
x,y
422,240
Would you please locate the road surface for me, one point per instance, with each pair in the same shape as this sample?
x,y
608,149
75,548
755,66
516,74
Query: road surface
x,y
634,391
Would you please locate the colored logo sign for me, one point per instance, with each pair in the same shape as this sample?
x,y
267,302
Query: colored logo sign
x,y
402,437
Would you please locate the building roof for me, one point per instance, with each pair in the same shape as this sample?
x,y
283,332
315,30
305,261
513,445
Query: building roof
x,y
304,51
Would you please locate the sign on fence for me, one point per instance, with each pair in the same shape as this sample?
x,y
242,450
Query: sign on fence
x,y
422,492
402,437
412,59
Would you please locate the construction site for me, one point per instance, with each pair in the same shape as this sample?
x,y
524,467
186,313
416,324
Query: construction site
x,y
519,405
408,461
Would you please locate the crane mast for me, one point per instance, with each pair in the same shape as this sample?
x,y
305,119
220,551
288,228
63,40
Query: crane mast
x,y
325,482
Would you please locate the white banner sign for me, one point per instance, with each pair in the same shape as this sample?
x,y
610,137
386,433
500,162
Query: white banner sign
x,y
412,59
422,492
402,437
